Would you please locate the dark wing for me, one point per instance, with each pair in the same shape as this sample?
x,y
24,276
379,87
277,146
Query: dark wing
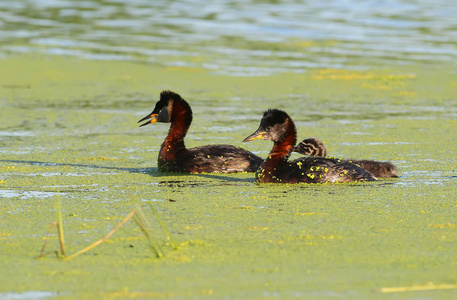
x,y
221,158
320,169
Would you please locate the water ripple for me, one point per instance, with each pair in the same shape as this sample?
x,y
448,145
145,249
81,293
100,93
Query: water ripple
x,y
254,37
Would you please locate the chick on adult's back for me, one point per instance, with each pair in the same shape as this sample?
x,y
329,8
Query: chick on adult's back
x,y
315,147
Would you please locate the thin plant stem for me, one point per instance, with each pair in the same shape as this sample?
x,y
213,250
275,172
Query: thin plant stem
x,y
60,225
61,241
418,288
132,213
156,213
62,247
145,228
46,237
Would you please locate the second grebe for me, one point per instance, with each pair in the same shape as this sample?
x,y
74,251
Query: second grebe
x,y
277,126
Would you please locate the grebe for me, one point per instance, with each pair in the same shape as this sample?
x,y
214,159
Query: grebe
x,y
277,126
315,147
311,147
175,157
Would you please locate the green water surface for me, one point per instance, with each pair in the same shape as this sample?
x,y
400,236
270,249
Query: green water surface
x,y
68,134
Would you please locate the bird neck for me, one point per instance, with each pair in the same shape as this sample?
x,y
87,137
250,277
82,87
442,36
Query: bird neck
x,y
283,148
181,118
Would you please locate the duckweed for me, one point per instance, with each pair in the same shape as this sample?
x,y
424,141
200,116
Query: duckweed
x,y
75,138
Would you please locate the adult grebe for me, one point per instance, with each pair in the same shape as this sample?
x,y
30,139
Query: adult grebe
x,y
175,157
277,126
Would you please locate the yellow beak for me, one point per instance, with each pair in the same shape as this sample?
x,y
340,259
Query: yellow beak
x,y
255,136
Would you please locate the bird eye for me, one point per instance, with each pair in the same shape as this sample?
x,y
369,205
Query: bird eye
x,y
268,128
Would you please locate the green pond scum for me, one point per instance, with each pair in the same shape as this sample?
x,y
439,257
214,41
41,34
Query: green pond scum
x,y
68,133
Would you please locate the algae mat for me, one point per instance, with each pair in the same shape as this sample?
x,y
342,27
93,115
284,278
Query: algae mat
x,y
68,135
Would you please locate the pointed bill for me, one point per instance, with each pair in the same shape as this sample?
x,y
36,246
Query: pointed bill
x,y
151,116
255,136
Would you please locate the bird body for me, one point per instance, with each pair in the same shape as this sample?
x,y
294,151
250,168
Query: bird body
x,y
175,157
278,127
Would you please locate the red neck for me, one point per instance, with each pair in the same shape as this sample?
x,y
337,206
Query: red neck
x,y
282,149
181,118
278,156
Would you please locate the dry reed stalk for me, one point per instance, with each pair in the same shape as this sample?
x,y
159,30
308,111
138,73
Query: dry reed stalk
x,y
131,214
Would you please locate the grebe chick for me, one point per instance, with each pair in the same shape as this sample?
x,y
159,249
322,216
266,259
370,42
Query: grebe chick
x,y
381,169
311,147
175,157
277,126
